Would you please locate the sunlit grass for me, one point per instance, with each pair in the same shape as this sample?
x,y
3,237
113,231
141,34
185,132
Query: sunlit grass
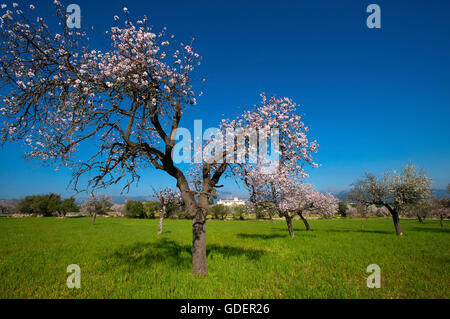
x,y
125,258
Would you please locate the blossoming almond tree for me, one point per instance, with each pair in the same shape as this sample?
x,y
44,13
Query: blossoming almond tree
x,y
290,198
395,191
306,199
166,196
110,114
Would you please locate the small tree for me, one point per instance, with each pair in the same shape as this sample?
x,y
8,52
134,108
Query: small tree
x,y
96,204
343,209
151,207
8,206
219,211
420,210
167,197
238,212
441,208
394,191
134,209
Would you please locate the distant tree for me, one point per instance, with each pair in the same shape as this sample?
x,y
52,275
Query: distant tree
x,y
238,212
44,205
394,191
24,205
420,210
289,196
96,204
262,209
219,211
363,212
306,199
67,205
7,206
151,207
134,209
168,198
118,208
343,209
440,208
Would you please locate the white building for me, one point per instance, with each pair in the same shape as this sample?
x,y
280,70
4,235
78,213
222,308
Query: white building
x,y
231,202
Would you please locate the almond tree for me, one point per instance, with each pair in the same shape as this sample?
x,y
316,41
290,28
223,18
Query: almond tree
x,y
290,198
269,184
96,204
122,106
395,191
167,197
311,200
440,208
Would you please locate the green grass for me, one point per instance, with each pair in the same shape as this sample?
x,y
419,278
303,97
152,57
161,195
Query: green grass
x,y
125,258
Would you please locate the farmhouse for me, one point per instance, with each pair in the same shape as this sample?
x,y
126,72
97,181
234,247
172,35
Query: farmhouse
x,y
231,202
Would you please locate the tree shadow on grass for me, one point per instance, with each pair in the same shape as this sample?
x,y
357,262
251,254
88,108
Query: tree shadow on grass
x,y
286,229
385,232
261,236
431,230
169,252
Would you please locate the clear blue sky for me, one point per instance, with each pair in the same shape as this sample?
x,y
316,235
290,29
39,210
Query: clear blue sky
x,y
374,98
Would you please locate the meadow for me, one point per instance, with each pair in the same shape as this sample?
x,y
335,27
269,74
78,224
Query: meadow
x,y
125,258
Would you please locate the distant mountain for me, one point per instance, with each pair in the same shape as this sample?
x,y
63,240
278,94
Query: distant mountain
x,y
341,195
438,193
118,199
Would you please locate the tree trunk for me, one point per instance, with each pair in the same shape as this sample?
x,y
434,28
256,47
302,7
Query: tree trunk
x,y
289,224
362,223
93,218
161,219
199,265
198,211
420,219
304,221
396,219
441,221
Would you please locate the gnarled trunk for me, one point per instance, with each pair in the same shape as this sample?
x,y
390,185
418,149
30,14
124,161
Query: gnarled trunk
x,y
289,224
304,220
396,219
398,228
199,264
162,214
420,219
441,221
93,218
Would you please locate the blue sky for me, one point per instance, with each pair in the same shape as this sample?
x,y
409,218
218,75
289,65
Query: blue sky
x,y
373,98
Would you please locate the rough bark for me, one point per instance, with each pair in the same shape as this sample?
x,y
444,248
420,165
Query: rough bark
x,y
198,211
304,220
93,218
441,221
289,225
199,265
162,214
396,220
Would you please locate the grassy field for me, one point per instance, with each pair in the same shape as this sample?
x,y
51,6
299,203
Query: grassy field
x,y
125,258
